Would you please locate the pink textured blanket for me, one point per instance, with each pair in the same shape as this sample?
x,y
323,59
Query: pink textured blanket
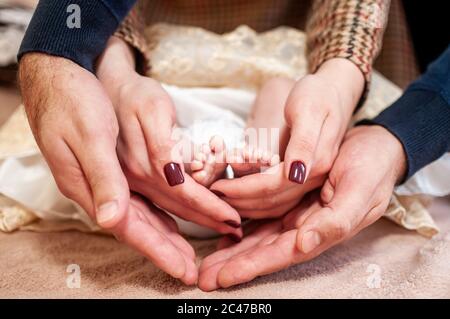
x,y
382,261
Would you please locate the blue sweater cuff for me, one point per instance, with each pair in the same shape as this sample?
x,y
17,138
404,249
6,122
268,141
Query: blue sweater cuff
x,y
49,32
420,119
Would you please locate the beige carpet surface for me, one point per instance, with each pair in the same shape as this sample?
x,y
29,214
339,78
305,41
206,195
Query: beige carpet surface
x,y
400,263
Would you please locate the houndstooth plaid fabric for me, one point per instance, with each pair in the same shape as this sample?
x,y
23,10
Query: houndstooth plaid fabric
x,y
350,29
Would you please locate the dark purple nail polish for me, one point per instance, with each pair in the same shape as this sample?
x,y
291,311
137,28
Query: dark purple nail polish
x,y
297,173
218,193
232,223
235,238
174,175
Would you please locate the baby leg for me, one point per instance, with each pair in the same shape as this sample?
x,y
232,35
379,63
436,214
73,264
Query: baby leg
x,y
267,134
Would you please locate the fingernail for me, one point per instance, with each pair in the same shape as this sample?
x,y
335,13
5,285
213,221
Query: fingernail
x,y
235,238
218,193
311,240
297,173
233,223
106,212
174,175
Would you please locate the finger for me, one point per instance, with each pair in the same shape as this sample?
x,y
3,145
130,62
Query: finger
x,y
191,274
255,185
157,124
260,261
269,213
206,203
200,201
151,243
292,194
327,146
99,162
291,218
163,223
327,192
131,145
182,210
167,160
69,176
335,222
305,121
167,226
212,264
248,241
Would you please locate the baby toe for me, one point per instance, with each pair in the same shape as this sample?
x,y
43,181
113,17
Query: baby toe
x,y
197,165
217,144
200,176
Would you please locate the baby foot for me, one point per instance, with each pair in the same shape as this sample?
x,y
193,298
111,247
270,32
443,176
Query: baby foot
x,y
250,161
209,162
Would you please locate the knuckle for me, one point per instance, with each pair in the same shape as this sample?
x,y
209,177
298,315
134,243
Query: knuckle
x,y
133,168
97,178
323,165
248,265
291,112
159,148
270,202
46,139
90,131
268,191
64,189
189,199
69,181
303,145
340,229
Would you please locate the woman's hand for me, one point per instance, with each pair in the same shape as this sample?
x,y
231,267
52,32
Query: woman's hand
x,y
147,150
360,184
317,112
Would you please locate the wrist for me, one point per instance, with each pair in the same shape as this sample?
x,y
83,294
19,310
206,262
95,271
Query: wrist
x,y
346,78
42,76
398,156
116,66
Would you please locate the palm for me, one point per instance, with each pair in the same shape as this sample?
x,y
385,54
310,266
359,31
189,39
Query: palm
x,y
268,247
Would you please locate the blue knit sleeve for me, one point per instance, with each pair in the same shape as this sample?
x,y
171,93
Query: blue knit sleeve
x,y
75,29
420,118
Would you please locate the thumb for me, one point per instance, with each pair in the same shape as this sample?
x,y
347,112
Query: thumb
x,y
109,187
335,222
305,127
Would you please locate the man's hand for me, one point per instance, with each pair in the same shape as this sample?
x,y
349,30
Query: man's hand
x,y
76,129
155,235
369,164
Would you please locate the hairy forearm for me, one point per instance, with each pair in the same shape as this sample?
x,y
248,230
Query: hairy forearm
x,y
42,80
